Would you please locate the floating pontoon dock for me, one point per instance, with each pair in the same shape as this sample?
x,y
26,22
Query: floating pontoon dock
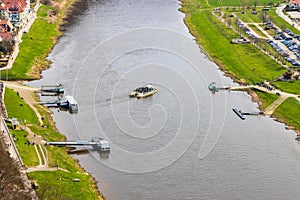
x,y
241,114
96,142
52,90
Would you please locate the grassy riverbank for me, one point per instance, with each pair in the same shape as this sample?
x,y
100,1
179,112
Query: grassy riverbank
x,y
288,112
244,63
239,61
34,48
55,184
31,60
39,41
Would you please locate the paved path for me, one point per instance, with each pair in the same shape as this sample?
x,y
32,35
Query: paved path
x,y
9,141
276,103
280,13
269,110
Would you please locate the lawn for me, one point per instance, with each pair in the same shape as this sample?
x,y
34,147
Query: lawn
x,y
243,61
35,46
27,152
56,155
238,2
256,30
59,185
289,112
291,87
17,108
266,98
248,17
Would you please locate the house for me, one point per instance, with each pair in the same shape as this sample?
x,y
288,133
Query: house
x,y
16,11
6,26
6,36
294,3
15,124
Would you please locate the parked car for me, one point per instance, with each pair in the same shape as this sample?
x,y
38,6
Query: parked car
x,y
276,37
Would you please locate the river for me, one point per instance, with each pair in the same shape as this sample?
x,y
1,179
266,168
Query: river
x,y
181,143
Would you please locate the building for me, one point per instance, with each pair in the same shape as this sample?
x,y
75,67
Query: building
x,y
294,3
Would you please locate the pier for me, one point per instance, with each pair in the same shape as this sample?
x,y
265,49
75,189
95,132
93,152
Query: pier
x,y
96,142
52,90
241,114
266,87
68,103
213,88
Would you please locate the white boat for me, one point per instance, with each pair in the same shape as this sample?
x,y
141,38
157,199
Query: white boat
x,y
143,91
72,103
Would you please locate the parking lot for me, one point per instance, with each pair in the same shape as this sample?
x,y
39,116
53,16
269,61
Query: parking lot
x,y
287,44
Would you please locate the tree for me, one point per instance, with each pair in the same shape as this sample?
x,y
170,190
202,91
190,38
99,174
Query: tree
x,y
6,46
11,185
255,3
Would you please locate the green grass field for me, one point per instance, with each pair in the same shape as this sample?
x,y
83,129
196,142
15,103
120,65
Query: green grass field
x,y
56,155
59,185
238,2
291,87
35,46
289,112
256,30
244,61
27,152
16,107
266,98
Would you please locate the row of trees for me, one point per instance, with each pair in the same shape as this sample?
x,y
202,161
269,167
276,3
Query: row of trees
x,y
11,185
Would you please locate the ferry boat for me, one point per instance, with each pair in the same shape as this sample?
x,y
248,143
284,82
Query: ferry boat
x,y
143,91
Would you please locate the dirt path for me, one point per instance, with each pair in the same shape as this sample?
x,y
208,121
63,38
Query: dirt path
x,y
269,110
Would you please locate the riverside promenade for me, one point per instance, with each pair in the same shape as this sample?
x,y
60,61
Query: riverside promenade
x,y
18,38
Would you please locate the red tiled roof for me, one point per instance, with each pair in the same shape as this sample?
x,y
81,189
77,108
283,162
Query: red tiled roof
x,y
15,5
3,21
294,1
6,36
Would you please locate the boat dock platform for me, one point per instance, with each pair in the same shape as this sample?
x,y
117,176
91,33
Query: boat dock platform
x,y
52,90
241,114
68,103
96,142
213,88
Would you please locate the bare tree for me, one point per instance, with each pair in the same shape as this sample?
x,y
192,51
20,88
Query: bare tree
x,y
11,185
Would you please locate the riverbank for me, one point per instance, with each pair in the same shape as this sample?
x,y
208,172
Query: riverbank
x,y
245,64
39,41
51,167
29,64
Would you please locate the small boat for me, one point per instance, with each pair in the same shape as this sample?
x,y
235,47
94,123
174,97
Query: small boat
x,y
143,91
